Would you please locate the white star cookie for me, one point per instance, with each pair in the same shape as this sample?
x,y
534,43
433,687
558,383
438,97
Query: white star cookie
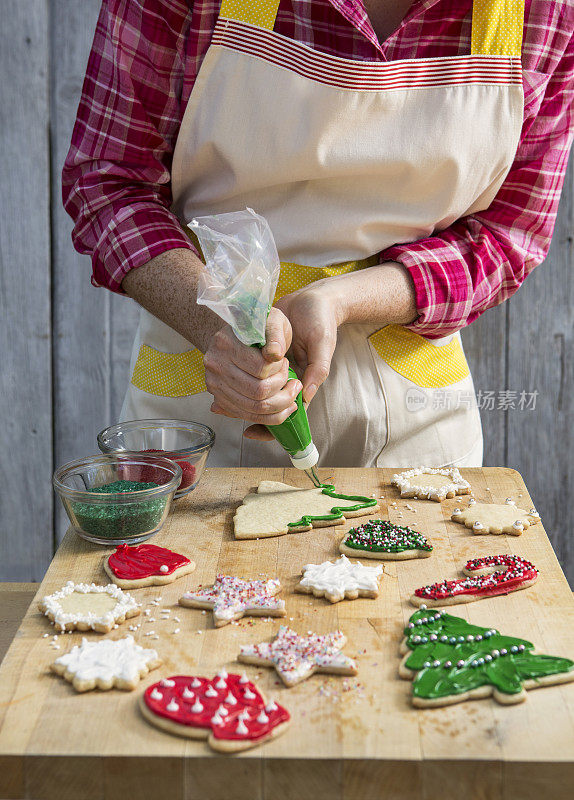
x,y
496,518
340,580
86,606
231,598
106,664
427,483
296,657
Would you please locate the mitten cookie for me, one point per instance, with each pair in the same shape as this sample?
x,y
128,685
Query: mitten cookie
x,y
228,710
146,565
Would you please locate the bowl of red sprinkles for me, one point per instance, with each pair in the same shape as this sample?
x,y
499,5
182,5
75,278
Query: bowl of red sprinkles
x,y
185,442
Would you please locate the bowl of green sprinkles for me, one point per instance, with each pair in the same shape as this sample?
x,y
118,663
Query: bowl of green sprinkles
x,y
118,498
183,441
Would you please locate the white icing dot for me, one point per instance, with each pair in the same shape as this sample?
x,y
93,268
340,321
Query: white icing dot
x,y
210,692
248,694
155,695
221,684
271,706
222,674
230,699
164,568
477,525
262,718
241,728
197,707
244,679
222,710
187,694
518,524
244,714
172,705
196,683
166,682
216,719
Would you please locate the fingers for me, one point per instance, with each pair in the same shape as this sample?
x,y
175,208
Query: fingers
x,y
277,336
319,355
258,432
270,411
217,374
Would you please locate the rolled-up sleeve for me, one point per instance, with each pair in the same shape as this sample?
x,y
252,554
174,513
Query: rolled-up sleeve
x,y
116,177
482,259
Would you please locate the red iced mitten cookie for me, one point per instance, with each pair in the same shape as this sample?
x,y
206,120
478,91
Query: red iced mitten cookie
x,y
228,710
146,565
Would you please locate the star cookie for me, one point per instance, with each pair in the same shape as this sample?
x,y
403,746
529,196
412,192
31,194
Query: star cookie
x,y
277,508
106,664
340,580
146,565
487,577
228,710
231,598
296,657
379,538
496,518
427,483
86,606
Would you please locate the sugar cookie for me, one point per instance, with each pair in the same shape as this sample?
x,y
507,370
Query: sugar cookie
x,y
428,483
86,606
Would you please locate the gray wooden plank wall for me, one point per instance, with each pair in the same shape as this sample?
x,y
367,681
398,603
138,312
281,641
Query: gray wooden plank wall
x,y
65,345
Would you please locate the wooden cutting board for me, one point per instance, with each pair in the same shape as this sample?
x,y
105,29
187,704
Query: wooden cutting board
x,y
356,738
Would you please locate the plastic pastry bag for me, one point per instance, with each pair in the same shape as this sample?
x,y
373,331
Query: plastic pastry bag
x,y
241,270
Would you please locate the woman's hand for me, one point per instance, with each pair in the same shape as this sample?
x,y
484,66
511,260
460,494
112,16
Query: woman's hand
x,y
248,383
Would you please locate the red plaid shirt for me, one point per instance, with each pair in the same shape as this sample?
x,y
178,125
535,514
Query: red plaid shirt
x,y
142,67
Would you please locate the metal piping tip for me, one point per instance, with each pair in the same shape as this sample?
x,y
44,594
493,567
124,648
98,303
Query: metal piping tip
x,y
312,475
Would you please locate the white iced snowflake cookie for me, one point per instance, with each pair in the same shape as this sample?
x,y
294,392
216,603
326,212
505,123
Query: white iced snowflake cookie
x,y
106,664
87,606
496,518
428,483
340,580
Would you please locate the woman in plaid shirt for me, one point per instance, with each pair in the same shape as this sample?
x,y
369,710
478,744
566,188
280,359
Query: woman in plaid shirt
x,y
409,158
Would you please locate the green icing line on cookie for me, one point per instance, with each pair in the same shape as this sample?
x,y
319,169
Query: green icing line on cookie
x,y
382,536
484,657
336,512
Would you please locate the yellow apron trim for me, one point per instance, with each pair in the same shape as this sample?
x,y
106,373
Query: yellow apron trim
x,y
295,276
261,13
169,374
497,27
416,359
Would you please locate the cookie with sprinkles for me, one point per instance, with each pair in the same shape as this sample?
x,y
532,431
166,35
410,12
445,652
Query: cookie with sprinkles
x,y
486,577
379,538
429,483
231,598
297,657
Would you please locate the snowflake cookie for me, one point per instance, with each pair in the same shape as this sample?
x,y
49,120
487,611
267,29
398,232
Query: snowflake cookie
x,y
227,710
340,580
297,657
230,598
486,577
428,483
87,606
106,664
496,518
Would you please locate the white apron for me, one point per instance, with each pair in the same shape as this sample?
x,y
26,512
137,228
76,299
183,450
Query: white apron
x,y
344,158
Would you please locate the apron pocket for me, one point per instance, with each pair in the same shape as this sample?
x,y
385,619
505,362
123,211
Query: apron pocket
x,y
169,374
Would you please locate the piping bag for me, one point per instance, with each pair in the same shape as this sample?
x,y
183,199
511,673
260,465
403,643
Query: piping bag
x,y
238,283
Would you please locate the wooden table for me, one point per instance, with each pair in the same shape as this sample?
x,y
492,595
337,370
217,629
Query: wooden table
x,y
357,739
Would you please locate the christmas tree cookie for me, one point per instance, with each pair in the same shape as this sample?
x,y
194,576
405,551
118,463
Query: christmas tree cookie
x,y
487,577
449,661
379,538
277,508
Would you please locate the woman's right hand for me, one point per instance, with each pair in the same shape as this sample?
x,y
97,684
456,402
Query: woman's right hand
x,y
249,383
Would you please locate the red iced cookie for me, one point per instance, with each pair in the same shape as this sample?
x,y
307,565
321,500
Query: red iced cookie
x,y
146,565
228,710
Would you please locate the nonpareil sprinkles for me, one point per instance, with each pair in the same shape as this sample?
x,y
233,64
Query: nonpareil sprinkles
x,y
118,520
382,536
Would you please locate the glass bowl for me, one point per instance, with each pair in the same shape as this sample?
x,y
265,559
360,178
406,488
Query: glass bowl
x,y
129,515
186,443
